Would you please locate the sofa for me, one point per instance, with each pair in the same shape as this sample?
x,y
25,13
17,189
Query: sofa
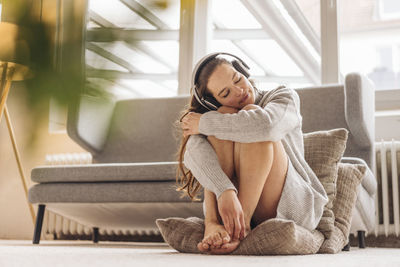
x,y
133,142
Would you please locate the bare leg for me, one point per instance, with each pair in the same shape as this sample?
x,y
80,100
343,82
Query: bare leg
x,y
261,169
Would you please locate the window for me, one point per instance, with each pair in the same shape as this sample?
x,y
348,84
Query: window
x,y
388,9
368,45
134,61
246,33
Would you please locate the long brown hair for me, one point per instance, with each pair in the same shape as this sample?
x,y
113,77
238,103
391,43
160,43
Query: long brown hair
x,y
184,177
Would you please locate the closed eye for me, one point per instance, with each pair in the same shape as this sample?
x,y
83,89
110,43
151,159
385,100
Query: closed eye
x,y
227,93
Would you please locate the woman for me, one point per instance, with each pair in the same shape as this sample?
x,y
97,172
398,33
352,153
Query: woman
x,y
245,147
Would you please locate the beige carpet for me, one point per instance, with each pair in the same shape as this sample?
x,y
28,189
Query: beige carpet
x,y
85,254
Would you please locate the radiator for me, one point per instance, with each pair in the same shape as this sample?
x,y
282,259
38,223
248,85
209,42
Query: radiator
x,y
56,226
387,198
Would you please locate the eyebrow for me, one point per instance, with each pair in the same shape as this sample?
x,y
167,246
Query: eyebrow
x,y
233,76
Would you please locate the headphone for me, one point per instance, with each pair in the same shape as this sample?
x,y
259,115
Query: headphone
x,y
210,103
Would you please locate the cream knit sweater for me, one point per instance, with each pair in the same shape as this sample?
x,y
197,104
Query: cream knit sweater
x,y
278,119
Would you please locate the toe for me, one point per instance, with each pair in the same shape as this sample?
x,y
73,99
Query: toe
x,y
225,238
206,246
218,241
202,247
208,240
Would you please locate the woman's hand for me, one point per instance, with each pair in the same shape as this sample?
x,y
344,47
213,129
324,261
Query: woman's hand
x,y
190,123
232,215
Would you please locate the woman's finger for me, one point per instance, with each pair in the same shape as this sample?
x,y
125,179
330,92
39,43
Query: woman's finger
x,y
237,229
242,222
228,225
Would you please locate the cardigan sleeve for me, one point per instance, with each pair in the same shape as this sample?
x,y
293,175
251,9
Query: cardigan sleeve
x,y
278,114
200,158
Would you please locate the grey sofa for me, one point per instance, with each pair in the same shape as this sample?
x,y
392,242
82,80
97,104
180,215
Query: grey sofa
x,y
134,145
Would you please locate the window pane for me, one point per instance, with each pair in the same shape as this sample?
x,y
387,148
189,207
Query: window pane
x,y
118,14
311,10
229,47
170,14
369,46
147,88
389,9
167,51
94,60
232,14
269,62
137,68
273,57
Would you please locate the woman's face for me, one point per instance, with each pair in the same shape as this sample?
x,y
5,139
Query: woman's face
x,y
230,87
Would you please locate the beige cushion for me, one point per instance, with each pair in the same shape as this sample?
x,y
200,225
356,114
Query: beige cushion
x,y
182,234
323,151
280,237
349,177
272,237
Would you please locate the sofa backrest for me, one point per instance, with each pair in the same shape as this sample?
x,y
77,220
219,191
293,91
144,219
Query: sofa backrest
x,y
349,106
144,130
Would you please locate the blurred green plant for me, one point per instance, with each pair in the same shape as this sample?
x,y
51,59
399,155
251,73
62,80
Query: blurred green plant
x,y
47,80
63,82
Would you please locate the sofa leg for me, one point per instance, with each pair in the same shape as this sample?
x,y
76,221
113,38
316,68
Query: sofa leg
x,y
347,247
95,235
39,223
361,239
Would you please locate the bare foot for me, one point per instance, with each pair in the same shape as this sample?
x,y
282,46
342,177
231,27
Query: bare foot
x,y
215,237
217,240
226,248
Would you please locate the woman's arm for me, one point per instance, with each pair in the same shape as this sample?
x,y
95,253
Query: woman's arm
x,y
279,116
211,208
200,158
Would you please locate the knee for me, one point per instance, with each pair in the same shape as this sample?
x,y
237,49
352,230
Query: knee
x,y
227,110
215,142
263,145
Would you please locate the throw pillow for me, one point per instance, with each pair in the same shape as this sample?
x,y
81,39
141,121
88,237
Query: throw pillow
x,y
322,151
349,177
272,237
182,234
280,237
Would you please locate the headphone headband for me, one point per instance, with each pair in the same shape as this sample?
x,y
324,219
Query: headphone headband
x,y
207,58
202,62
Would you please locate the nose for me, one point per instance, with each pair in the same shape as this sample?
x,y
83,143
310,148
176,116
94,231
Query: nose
x,y
238,90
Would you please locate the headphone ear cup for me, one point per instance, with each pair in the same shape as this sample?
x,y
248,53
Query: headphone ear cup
x,y
240,68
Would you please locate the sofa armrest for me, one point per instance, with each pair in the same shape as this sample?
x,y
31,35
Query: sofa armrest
x,y
360,108
89,122
368,182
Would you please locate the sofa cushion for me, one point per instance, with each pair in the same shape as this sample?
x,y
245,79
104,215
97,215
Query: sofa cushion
x,y
113,172
349,178
106,192
272,237
322,151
